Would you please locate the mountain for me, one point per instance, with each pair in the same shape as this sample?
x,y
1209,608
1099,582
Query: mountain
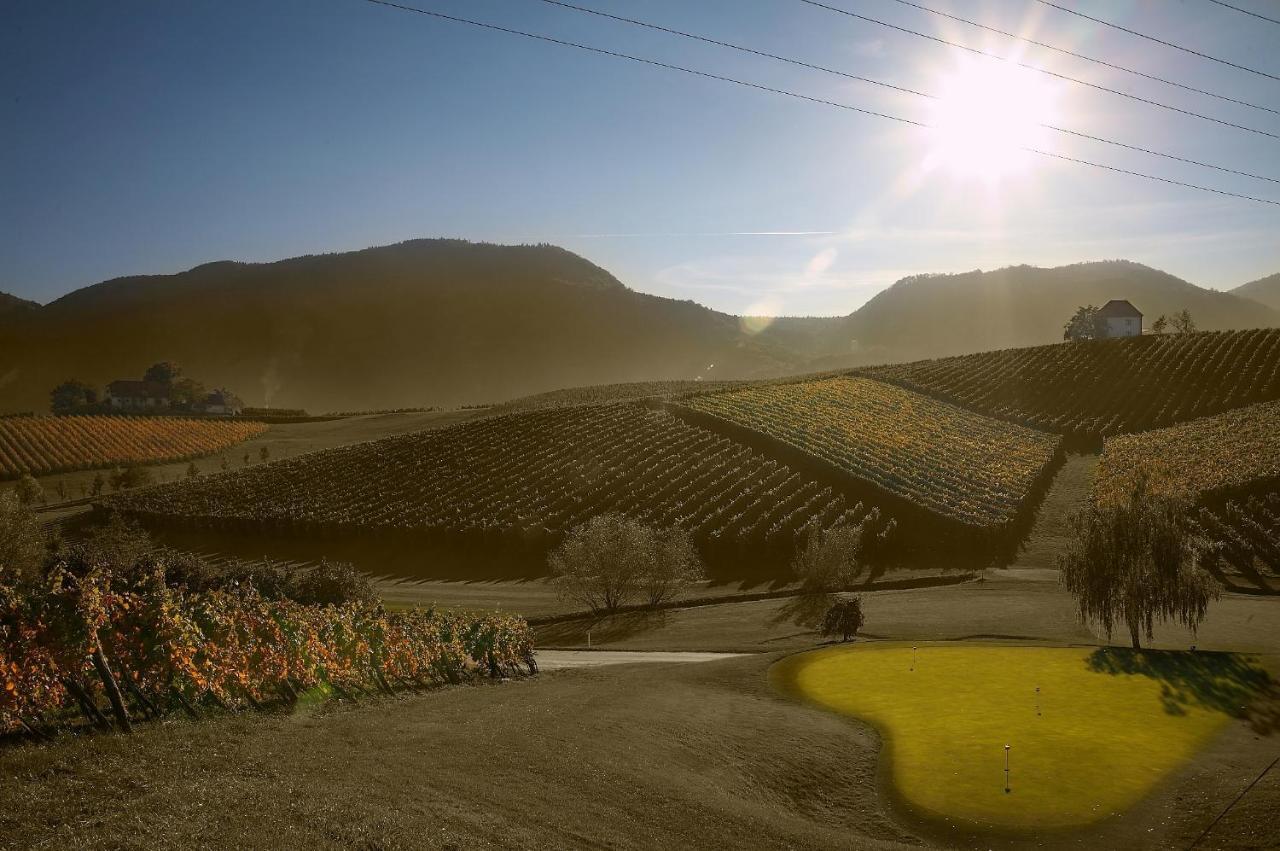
x,y
936,315
12,306
425,322
1264,291
444,322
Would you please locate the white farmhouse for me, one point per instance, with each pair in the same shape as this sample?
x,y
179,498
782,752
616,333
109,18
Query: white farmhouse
x,y
138,395
1121,319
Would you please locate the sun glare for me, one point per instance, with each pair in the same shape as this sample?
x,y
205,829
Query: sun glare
x,y
987,114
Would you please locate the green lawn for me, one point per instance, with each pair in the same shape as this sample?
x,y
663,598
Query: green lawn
x,y
1106,726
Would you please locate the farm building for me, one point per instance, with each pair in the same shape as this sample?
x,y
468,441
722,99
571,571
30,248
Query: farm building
x,y
127,395
1121,319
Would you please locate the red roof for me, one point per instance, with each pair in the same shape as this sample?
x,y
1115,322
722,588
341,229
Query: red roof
x,y
1118,308
127,389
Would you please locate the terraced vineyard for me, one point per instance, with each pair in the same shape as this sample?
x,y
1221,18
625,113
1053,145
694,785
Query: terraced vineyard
x,y
1094,389
1248,536
971,469
1209,459
43,445
521,479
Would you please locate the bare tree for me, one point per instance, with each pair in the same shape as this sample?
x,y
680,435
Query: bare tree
x,y
1136,562
674,564
1182,322
612,558
831,561
1160,325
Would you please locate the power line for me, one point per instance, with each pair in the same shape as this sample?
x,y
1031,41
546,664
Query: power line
x,y
1038,69
1093,59
1152,38
759,87
874,82
1245,11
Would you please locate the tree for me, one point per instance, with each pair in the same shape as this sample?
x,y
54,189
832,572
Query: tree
x,y
264,453
222,464
185,392
23,541
72,395
132,476
674,564
1086,324
844,618
98,484
1182,322
611,558
192,470
165,372
28,490
1134,561
831,561
1160,325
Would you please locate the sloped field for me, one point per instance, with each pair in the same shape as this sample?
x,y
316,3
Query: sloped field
x,y
520,478
945,460
1092,389
42,445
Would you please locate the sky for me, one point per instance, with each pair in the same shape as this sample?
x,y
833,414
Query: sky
x,y
150,137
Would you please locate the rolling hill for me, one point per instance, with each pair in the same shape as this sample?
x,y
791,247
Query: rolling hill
x,y
425,322
1264,291
931,316
1093,389
445,322
12,306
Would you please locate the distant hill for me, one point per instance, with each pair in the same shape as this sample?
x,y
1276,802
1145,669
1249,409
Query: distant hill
x,y
421,322
938,315
443,322
1264,291
12,305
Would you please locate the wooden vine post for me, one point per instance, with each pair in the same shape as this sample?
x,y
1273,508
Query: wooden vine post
x,y
101,665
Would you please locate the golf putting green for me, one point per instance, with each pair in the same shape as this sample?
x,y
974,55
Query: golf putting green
x,y
1105,727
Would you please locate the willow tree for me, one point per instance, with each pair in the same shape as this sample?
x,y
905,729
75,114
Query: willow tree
x,y
1135,561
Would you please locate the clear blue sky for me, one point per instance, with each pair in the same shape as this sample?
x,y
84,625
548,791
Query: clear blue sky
x,y
149,137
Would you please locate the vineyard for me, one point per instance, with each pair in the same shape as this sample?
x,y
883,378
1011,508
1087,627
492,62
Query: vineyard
x,y
519,480
1205,460
146,649
971,469
603,394
1093,389
1247,535
44,445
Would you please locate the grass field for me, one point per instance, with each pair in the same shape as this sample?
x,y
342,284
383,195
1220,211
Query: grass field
x,y
1091,730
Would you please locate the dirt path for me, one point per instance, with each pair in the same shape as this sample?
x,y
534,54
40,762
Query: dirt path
x,y
555,660
1070,488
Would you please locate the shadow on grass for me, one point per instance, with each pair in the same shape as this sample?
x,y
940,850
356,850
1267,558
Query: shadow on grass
x,y
1226,682
604,630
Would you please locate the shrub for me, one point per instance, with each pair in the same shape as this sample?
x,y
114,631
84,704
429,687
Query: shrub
x,y
29,490
844,618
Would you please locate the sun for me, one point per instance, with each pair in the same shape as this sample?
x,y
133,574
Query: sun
x,y
985,117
